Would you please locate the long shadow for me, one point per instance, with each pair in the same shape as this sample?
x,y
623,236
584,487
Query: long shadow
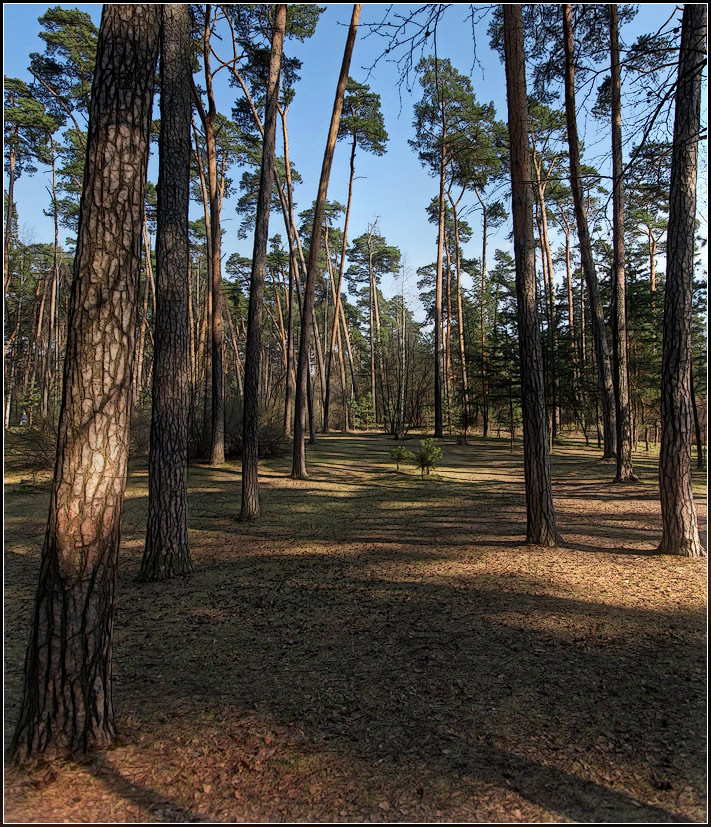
x,y
464,680
161,808
487,679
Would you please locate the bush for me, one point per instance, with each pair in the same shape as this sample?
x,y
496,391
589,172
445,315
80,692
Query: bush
x,y
32,448
272,442
401,454
428,456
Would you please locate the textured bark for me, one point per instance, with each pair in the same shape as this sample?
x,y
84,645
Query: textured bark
x,y
250,442
623,419
298,470
602,352
167,550
540,523
67,705
680,533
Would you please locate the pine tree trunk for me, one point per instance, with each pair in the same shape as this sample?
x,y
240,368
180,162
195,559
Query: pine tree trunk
x,y
337,293
67,706
482,320
602,353
680,533
167,550
460,322
299,458
438,423
250,441
697,425
290,377
625,472
541,527
10,207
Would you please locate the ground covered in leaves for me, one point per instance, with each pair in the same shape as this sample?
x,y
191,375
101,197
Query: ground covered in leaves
x,y
381,647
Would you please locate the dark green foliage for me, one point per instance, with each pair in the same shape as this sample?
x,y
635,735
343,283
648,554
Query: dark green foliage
x,y
428,456
362,120
401,454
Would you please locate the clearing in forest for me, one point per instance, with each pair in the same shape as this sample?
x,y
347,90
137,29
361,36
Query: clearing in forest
x,y
382,647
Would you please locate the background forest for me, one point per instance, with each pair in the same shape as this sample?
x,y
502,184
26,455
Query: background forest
x,y
372,353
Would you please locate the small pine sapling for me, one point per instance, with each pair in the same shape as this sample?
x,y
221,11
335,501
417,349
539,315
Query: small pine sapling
x,y
401,454
428,456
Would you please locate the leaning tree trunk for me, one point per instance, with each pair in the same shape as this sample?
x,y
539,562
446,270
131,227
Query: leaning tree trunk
x,y
67,705
250,442
623,420
167,550
602,353
680,533
540,524
298,470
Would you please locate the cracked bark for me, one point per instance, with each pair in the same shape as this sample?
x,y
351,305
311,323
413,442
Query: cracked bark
x,y
67,704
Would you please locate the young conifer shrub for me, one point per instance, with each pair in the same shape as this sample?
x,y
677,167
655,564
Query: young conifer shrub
x,y
401,454
428,456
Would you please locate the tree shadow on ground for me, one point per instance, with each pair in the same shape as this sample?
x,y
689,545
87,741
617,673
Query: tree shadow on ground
x,y
400,636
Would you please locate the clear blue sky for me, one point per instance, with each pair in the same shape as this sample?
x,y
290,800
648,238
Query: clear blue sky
x,y
393,187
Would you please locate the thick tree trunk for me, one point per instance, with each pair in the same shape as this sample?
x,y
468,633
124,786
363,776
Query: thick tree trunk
x,y
167,550
67,706
602,353
250,441
625,472
299,458
680,533
541,527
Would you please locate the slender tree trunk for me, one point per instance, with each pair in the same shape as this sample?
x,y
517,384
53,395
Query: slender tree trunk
x,y
448,341
290,378
141,346
217,440
460,321
541,527
167,550
438,423
337,291
680,533
51,333
482,319
602,353
67,705
697,425
299,458
625,472
10,207
250,442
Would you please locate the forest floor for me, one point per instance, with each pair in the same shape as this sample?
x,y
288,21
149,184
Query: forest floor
x,y
381,647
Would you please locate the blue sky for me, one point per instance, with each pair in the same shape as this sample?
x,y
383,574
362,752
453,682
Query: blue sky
x,y
394,187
